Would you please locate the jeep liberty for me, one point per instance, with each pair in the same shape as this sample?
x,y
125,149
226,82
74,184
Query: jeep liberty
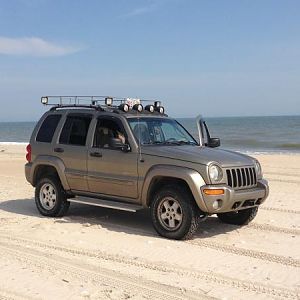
x,y
116,153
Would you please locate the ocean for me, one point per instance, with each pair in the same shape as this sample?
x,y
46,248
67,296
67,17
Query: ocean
x,y
246,134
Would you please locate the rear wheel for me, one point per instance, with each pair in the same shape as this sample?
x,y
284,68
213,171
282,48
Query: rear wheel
x,y
240,217
50,197
174,213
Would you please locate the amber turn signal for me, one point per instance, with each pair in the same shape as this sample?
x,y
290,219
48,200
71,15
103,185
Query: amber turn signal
x,y
213,192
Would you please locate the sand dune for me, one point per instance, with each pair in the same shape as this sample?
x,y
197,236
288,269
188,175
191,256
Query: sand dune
x,y
96,253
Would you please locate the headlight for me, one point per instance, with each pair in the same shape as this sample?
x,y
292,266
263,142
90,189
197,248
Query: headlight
x,y
215,173
258,169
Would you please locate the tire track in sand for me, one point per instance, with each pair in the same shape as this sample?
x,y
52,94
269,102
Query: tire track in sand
x,y
98,275
283,210
209,277
271,228
9,295
279,259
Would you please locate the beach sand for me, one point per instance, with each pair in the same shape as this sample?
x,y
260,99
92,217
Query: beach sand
x,y
96,253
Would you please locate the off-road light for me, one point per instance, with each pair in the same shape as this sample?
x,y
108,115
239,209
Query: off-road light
x,y
159,109
124,107
150,108
215,173
157,103
44,100
108,101
138,107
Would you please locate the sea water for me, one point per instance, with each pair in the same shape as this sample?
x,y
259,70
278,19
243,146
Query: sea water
x,y
245,134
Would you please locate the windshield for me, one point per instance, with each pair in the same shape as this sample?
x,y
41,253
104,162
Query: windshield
x,y
158,131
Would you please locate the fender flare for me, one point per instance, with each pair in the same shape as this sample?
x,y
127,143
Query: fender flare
x,y
193,179
57,163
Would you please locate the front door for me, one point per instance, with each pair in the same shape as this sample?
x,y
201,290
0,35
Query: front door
x,y
111,171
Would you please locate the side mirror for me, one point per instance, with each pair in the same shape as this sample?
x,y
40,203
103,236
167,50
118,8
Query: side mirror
x,y
116,143
213,142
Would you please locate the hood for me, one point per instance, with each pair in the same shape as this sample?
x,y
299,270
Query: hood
x,y
200,155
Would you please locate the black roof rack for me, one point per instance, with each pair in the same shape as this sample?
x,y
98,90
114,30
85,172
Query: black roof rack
x,y
96,107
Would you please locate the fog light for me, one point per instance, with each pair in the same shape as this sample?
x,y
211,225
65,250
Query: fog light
x,y
217,204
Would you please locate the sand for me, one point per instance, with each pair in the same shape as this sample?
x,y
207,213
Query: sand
x,y
96,253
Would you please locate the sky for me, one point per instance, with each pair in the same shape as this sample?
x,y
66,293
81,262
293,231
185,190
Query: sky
x,y
213,57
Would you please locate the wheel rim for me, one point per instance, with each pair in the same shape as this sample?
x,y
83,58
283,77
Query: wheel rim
x,y
170,213
47,196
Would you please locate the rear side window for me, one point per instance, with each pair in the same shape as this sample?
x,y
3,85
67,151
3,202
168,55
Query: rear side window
x,y
75,130
48,128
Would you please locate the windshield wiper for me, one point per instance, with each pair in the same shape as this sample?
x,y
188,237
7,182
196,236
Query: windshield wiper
x,y
173,142
179,142
186,142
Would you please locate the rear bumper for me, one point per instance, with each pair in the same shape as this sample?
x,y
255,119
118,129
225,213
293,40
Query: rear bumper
x,y
233,200
28,173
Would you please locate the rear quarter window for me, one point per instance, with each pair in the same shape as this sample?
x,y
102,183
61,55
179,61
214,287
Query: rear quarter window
x,y
48,128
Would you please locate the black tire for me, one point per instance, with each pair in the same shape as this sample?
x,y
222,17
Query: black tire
x,y
60,205
240,217
187,208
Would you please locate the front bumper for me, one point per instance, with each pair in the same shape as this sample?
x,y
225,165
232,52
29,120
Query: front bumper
x,y
233,200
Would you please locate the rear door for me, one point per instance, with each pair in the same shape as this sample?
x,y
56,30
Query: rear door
x,y
71,148
111,171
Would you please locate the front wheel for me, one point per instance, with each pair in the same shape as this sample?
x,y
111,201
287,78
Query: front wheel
x,y
174,213
50,197
240,217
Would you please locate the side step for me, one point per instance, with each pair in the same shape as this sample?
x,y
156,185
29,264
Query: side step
x,y
106,203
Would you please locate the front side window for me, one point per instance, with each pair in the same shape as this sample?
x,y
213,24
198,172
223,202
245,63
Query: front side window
x,y
48,128
75,130
106,130
150,131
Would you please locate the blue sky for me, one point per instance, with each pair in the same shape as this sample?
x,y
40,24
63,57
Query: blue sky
x,y
217,58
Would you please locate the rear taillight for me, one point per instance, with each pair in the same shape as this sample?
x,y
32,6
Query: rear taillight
x,y
28,154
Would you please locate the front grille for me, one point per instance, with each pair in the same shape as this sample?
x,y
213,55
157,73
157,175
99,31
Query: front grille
x,y
241,177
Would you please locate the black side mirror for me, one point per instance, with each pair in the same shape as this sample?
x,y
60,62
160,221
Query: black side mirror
x,y
116,143
213,142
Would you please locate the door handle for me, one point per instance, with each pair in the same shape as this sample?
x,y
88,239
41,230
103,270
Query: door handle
x,y
59,150
96,154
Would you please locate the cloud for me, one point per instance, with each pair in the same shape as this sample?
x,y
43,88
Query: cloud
x,y
139,11
33,46
152,6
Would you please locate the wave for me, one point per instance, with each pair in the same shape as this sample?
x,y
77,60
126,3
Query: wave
x,y
295,146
